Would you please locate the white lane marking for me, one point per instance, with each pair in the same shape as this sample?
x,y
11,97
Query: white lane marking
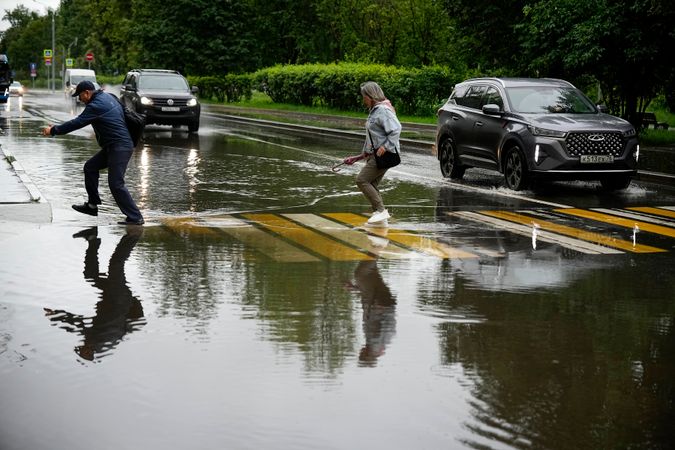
x,y
542,235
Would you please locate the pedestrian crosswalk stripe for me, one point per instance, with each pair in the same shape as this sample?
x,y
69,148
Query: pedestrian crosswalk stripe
x,y
615,220
409,239
373,244
307,238
574,232
637,215
664,211
187,225
537,234
269,245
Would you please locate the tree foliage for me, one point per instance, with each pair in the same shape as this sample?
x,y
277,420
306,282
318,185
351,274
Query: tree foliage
x,y
624,46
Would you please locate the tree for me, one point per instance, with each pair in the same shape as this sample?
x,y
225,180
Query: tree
x,y
197,37
627,45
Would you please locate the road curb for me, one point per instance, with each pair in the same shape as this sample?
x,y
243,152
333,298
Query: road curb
x,y
36,208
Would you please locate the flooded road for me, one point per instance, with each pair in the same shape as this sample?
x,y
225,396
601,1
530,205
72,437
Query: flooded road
x,y
255,311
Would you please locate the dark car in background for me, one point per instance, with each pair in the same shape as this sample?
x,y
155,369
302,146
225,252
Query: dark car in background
x,y
530,129
164,96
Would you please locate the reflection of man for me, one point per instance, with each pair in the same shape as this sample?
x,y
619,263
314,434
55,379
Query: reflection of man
x,y
118,311
379,312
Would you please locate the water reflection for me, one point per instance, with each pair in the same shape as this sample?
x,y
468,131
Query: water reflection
x,y
379,312
118,312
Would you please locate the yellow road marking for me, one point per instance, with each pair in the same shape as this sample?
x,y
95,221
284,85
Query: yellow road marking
x,y
262,241
376,245
407,238
307,238
574,232
187,225
655,211
621,221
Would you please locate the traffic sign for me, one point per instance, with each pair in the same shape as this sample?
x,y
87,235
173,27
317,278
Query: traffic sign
x,y
48,61
69,62
47,53
90,56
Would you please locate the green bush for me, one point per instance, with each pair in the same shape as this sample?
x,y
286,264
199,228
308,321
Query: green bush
x,y
229,88
417,91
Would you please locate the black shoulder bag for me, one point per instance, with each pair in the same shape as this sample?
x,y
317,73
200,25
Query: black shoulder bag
x,y
388,159
135,122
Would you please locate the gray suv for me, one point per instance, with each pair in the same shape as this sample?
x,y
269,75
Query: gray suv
x,y
533,129
164,96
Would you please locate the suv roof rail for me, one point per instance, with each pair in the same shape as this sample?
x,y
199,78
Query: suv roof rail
x,y
155,70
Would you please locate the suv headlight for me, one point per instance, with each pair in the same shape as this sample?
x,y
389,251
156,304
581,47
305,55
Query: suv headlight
x,y
629,133
536,131
192,102
146,101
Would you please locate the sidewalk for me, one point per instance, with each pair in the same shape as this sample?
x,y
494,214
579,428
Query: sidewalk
x,y
20,199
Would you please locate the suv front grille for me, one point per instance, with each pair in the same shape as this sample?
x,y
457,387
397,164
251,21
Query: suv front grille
x,y
164,102
590,143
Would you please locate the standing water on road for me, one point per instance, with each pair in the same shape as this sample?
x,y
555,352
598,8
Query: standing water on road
x,y
255,311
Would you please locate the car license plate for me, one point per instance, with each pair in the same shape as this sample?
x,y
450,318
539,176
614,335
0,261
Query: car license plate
x,y
591,159
171,108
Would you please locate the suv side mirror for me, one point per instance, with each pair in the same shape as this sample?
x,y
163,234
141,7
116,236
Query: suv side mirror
x,y
194,90
603,108
492,109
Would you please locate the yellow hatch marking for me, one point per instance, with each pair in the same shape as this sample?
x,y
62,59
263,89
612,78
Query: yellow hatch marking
x,y
182,225
407,238
374,244
655,211
621,221
574,232
266,243
307,238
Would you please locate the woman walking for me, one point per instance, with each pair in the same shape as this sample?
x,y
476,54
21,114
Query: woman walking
x,y
382,135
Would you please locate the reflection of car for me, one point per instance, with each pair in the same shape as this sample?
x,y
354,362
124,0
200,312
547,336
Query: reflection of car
x,y
16,88
533,128
164,96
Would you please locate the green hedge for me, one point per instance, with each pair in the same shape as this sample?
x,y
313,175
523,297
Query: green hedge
x,y
413,91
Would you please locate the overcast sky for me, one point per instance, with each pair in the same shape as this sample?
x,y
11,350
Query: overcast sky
x,y
39,6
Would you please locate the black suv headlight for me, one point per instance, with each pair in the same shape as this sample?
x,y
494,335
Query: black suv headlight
x,y
629,133
536,131
192,102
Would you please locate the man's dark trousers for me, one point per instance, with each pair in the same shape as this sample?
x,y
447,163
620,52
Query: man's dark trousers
x,y
116,160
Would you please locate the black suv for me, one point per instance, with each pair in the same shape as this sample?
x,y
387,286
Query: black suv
x,y
164,96
533,128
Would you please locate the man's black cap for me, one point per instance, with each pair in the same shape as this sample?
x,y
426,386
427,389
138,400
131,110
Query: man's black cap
x,y
83,86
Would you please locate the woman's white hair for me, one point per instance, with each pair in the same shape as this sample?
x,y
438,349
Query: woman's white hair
x,y
373,90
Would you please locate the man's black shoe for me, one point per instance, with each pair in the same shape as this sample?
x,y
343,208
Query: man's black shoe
x,y
86,209
131,222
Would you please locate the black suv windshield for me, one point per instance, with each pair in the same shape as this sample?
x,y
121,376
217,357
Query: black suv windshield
x,y
163,82
548,100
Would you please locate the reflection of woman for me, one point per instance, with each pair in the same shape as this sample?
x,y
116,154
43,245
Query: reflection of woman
x,y
118,311
382,135
379,311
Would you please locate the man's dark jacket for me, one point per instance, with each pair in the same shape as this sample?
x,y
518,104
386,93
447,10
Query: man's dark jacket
x,y
105,114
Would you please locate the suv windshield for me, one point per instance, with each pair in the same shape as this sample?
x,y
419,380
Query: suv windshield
x,y
164,82
548,100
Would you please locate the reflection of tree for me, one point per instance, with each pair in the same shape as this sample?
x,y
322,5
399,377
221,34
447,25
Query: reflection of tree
x,y
545,364
196,269
379,311
306,305
118,312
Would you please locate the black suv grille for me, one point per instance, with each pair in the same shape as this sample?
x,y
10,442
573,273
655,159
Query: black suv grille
x,y
164,102
594,144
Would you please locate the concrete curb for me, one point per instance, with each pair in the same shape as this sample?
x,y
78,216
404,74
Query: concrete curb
x,y
36,208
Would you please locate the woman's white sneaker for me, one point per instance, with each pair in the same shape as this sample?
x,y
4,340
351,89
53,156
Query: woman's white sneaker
x,y
379,216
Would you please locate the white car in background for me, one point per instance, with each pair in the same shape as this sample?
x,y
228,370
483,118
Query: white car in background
x,y
16,88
